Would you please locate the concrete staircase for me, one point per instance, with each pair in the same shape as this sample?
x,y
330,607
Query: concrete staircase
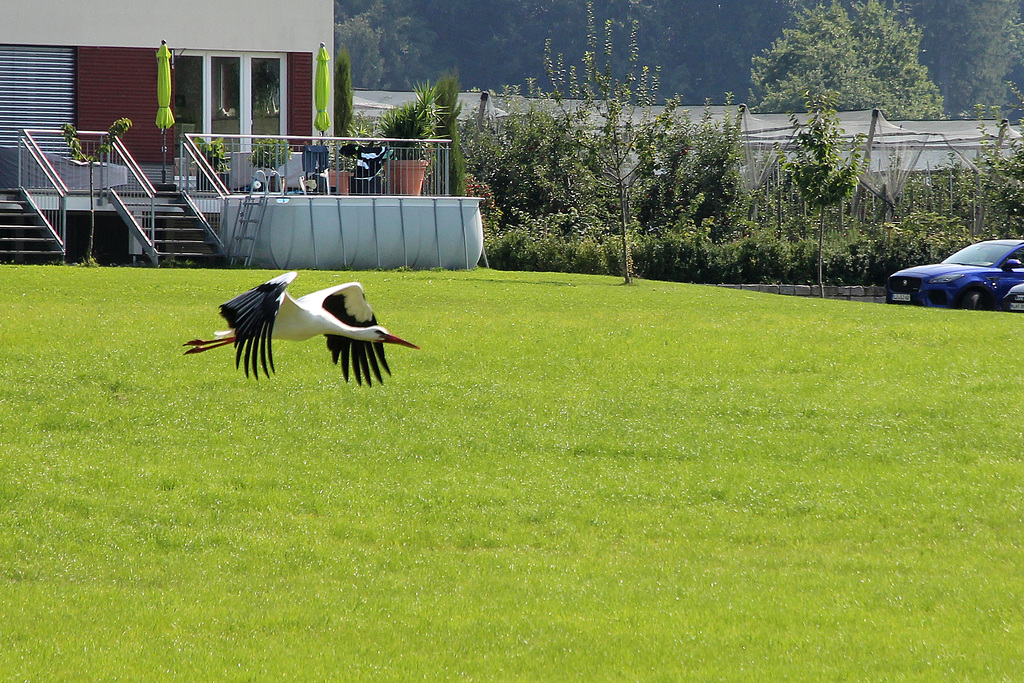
x,y
24,238
180,232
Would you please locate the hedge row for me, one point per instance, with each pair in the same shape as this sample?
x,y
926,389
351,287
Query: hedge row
x,y
866,257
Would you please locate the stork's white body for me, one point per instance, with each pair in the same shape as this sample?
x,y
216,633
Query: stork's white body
x,y
341,313
303,318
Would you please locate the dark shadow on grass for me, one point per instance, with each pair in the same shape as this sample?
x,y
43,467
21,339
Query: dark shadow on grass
x,y
553,283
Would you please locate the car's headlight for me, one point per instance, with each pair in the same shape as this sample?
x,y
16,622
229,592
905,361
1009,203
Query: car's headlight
x,y
942,279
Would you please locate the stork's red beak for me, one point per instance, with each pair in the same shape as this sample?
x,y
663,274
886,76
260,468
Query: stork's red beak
x,y
392,339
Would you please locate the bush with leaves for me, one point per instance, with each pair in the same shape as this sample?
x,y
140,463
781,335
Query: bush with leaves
x,y
535,167
1003,186
689,173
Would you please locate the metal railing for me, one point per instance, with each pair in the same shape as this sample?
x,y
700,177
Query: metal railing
x,y
212,166
48,174
46,167
43,187
75,174
137,194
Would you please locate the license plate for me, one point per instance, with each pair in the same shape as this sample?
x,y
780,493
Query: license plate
x,y
1017,305
896,296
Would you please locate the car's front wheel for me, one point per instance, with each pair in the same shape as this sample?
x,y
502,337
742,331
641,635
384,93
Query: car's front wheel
x,y
973,300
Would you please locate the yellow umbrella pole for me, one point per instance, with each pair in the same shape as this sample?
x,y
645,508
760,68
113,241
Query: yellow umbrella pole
x,y
164,116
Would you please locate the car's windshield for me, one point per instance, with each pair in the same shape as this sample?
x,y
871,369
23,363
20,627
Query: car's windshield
x,y
980,254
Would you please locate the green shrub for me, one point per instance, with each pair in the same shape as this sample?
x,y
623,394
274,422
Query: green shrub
x,y
535,171
689,174
520,249
862,257
694,222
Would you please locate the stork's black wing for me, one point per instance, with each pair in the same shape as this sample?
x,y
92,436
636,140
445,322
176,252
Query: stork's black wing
x,y
251,315
364,355
349,305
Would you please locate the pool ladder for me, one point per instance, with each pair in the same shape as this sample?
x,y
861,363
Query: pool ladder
x,y
248,221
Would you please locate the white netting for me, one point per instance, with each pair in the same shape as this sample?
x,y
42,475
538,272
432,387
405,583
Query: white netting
x,y
763,140
892,150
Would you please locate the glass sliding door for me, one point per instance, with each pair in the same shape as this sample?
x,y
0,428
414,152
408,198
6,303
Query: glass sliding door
x,y
220,94
189,112
266,96
226,96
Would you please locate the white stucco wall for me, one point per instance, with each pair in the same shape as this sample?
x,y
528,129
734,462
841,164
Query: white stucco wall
x,y
249,25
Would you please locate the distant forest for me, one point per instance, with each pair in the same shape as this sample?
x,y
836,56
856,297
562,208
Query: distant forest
x,y
704,48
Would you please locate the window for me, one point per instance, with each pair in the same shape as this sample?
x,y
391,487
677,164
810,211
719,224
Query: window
x,y
266,96
188,93
225,88
224,94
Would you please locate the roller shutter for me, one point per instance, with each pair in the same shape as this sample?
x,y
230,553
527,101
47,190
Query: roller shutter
x,y
37,89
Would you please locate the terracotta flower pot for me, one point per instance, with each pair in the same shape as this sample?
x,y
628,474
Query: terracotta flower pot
x,y
405,176
339,181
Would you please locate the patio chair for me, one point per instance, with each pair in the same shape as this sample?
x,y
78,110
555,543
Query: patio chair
x,y
368,177
315,160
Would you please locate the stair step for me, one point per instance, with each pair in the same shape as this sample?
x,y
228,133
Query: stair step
x,y
191,239
158,209
180,229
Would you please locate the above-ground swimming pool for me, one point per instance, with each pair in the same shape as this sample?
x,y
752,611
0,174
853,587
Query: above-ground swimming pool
x,y
332,232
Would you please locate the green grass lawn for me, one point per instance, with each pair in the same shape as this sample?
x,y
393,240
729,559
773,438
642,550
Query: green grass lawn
x,y
573,479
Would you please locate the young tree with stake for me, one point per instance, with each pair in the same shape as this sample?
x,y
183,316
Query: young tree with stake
x,y
116,130
822,176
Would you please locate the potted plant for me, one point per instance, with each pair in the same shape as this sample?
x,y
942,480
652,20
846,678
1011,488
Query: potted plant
x,y
415,120
270,154
338,175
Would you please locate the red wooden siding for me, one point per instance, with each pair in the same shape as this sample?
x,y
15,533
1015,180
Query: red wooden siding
x,y
115,82
300,93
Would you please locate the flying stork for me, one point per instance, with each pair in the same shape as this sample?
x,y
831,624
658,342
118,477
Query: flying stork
x,y
269,312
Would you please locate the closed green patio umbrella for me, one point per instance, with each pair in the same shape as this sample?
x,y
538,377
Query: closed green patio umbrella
x,y
322,89
164,116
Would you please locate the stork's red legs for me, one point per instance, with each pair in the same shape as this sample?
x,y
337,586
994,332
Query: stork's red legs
x,y
200,345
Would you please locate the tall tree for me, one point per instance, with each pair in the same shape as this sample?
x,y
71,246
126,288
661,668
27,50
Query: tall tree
x,y
970,46
448,127
390,46
343,107
617,107
864,55
702,46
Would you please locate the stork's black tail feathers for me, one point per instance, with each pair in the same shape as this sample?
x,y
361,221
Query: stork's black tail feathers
x,y
365,357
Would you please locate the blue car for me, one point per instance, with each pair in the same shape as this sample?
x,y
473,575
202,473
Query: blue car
x,y
1014,299
976,277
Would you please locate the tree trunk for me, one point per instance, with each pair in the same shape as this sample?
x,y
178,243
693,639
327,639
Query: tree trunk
x,y
821,242
92,217
624,211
